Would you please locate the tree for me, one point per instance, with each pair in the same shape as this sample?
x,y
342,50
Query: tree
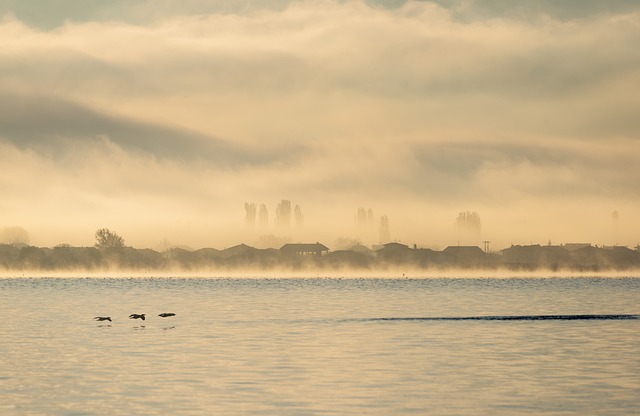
x,y
283,213
346,243
361,217
108,239
299,217
250,213
14,235
263,215
385,234
469,222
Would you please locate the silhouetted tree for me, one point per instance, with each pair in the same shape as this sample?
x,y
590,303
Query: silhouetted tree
x,y
469,222
14,235
164,245
263,215
385,233
297,212
345,243
615,225
361,217
250,213
283,213
108,239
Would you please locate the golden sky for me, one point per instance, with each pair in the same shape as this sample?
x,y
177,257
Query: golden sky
x,y
159,119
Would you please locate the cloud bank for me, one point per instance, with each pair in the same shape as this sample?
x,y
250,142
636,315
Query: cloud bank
x,y
161,118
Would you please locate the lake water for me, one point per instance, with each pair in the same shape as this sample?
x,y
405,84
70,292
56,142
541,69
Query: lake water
x,y
319,346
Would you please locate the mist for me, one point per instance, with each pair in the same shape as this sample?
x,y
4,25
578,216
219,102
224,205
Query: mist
x,y
160,120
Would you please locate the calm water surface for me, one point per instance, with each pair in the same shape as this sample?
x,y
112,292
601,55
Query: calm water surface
x,y
318,347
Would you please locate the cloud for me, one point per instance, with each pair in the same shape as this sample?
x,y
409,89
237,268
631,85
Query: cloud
x,y
506,171
54,14
54,125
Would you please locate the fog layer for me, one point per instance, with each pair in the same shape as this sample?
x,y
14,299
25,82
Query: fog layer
x,y
160,119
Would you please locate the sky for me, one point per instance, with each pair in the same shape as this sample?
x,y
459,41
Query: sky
x,y
159,119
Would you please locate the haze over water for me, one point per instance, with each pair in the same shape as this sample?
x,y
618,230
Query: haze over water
x,y
318,346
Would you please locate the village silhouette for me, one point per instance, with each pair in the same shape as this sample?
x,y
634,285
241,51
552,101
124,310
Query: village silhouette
x,y
110,253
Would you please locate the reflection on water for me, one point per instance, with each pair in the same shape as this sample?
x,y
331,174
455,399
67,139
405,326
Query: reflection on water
x,y
320,346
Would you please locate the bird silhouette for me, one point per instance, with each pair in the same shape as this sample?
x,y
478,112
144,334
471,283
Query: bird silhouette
x,y
137,316
167,314
103,318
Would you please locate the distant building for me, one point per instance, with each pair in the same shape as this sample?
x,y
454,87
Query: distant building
x,y
315,249
359,248
395,246
616,247
537,256
575,246
464,252
464,256
395,253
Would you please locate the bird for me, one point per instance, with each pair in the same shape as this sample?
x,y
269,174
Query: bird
x,y
167,314
103,318
137,316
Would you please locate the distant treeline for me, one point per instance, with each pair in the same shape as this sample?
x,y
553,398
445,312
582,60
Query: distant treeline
x,y
388,257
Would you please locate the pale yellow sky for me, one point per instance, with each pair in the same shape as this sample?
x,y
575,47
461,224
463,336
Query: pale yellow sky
x,y
160,119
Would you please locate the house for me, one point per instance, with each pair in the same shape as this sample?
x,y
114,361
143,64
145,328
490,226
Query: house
x,y
575,246
537,256
464,255
359,248
396,253
315,249
395,246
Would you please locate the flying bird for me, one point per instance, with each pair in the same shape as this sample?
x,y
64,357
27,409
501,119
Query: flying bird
x,y
103,318
167,314
137,316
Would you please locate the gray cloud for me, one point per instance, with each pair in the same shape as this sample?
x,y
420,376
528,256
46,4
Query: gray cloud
x,y
54,125
562,170
52,14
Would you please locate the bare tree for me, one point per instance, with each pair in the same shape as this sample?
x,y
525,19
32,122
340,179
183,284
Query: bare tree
x,y
250,213
108,239
361,217
14,235
283,213
297,212
263,215
370,218
385,233
615,224
164,245
469,222
346,243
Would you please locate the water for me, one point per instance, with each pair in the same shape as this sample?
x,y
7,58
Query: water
x,y
319,346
